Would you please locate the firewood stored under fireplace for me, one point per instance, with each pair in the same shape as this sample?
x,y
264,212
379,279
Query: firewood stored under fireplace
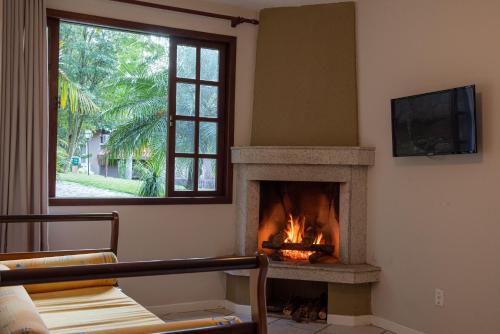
x,y
291,306
303,309
327,249
322,314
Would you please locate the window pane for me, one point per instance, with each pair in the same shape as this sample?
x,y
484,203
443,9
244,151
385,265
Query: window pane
x,y
208,101
186,62
207,175
184,137
112,117
185,99
208,138
184,174
209,65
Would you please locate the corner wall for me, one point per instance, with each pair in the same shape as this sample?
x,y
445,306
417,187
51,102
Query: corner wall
x,y
433,223
171,231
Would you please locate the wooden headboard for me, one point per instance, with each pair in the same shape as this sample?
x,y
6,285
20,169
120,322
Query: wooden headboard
x,y
112,217
258,266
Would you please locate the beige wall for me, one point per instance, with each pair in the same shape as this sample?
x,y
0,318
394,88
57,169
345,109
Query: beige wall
x,y
161,232
433,223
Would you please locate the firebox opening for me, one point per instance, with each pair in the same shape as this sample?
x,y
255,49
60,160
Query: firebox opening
x,y
302,301
299,221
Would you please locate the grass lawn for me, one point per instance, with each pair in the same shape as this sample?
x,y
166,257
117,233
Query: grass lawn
x,y
101,182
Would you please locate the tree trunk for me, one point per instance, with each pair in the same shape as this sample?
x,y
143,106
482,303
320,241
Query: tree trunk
x,y
129,168
74,131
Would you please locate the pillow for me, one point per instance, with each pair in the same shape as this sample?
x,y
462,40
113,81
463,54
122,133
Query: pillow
x,y
62,261
18,314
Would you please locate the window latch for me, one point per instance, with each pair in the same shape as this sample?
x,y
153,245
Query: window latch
x,y
171,122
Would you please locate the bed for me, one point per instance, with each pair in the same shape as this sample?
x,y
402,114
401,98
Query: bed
x,y
76,291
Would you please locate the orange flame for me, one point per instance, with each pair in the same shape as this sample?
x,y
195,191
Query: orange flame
x,y
295,234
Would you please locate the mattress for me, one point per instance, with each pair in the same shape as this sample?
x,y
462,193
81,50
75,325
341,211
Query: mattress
x,y
107,310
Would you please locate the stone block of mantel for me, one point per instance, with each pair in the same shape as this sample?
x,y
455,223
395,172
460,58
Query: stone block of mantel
x,y
302,155
337,273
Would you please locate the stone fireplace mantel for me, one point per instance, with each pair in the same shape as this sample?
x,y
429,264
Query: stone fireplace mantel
x,y
345,165
304,155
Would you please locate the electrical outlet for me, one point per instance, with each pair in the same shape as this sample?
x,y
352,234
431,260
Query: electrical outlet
x,y
439,297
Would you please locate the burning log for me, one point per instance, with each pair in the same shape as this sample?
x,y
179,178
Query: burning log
x,y
279,238
327,249
276,256
309,236
315,257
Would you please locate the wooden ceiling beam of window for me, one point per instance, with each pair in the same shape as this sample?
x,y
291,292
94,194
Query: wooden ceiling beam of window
x,y
235,20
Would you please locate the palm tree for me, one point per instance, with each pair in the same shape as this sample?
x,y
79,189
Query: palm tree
x,y
79,105
141,114
152,174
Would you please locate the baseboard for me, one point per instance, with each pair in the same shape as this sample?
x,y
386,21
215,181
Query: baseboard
x,y
187,307
392,326
364,320
344,320
349,320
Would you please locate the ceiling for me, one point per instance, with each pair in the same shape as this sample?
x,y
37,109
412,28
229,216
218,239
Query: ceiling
x,y
260,4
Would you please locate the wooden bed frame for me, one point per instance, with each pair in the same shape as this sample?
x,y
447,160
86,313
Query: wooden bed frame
x,y
258,263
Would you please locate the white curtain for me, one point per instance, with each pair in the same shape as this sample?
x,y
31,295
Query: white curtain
x,y
23,123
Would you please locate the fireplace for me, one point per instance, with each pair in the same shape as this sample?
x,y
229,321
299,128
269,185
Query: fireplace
x,y
314,177
298,221
305,207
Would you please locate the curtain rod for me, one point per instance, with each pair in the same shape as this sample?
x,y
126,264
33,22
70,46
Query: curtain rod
x,y
235,20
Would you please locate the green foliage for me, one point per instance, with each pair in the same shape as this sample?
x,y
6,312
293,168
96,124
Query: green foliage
x,y
109,183
86,58
118,81
115,80
74,98
62,158
152,175
141,106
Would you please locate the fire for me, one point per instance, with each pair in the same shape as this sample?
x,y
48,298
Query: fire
x,y
295,234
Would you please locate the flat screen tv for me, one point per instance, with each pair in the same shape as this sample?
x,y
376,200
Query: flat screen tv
x,y
436,123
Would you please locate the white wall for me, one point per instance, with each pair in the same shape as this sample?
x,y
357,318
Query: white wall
x,y
433,223
163,232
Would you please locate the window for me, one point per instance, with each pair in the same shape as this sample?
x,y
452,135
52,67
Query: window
x,y
139,114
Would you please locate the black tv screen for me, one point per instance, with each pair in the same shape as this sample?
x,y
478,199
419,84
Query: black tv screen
x,y
435,123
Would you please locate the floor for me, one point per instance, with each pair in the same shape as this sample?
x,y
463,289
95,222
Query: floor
x,y
280,326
